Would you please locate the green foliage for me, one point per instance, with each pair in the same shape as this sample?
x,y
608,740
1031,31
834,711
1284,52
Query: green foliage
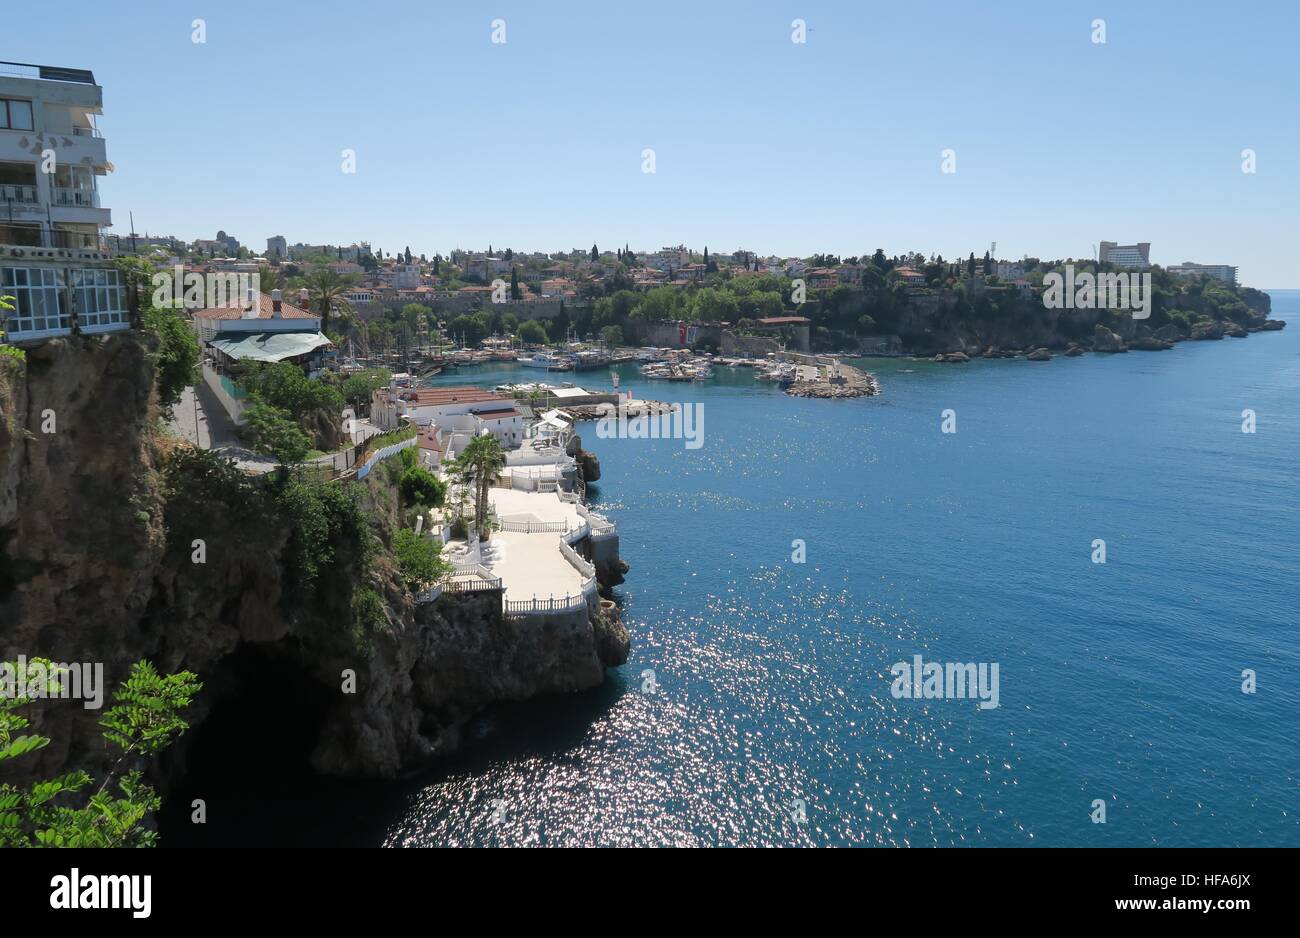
x,y
532,332
368,616
478,465
284,386
271,431
178,353
421,487
8,351
205,492
381,440
329,531
418,558
144,719
612,336
327,290
357,388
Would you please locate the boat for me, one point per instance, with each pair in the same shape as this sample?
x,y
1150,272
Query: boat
x,y
589,359
545,360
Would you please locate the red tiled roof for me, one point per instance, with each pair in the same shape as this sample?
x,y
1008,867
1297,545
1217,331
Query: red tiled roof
x,y
785,321
287,310
496,413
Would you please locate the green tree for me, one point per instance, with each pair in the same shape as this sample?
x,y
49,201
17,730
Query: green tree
x,y
177,358
272,431
421,487
478,466
144,719
612,336
326,289
514,284
419,559
532,332
713,305
358,388
416,315
284,386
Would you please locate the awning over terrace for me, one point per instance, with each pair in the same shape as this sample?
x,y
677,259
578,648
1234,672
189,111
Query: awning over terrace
x,y
270,346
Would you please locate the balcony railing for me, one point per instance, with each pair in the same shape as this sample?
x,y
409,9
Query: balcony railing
x,y
76,198
87,132
23,195
46,72
33,237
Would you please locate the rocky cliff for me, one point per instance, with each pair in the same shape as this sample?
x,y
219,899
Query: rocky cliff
x,y
117,544
943,321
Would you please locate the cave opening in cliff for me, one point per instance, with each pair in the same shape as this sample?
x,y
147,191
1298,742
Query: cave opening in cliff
x,y
265,716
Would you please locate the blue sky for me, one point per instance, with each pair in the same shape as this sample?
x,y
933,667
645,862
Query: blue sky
x,y
760,143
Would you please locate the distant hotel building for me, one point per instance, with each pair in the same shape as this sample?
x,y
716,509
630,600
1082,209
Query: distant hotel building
x,y
1218,271
277,247
53,259
1125,255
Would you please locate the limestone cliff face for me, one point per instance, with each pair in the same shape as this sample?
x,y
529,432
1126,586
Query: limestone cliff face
x,y
95,567
457,656
80,534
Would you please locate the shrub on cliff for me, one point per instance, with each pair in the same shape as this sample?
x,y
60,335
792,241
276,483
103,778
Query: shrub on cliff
x,y
271,431
330,530
8,351
143,720
421,487
177,356
419,559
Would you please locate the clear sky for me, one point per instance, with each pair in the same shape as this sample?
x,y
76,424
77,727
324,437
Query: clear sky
x,y
833,145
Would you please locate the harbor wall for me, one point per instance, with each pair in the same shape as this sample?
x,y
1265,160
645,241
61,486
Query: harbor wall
x,y
665,333
748,346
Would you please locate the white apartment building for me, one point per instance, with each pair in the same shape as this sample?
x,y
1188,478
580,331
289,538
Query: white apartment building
x,y
1125,255
1222,272
53,258
454,409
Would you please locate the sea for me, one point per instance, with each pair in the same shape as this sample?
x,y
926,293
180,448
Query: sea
x,y
1116,538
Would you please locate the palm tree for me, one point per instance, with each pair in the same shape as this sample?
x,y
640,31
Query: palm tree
x,y
479,463
270,278
327,290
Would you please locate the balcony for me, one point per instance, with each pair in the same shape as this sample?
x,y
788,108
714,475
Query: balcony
x,y
37,236
46,72
76,198
71,86
19,194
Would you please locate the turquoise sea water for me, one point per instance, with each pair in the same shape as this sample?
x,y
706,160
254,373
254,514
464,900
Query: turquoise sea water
x,y
1119,682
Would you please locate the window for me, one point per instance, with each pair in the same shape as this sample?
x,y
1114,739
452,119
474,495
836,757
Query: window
x,y
99,299
39,305
15,115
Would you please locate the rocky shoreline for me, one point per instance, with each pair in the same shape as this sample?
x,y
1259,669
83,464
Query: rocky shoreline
x,y
632,409
848,382
1142,339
